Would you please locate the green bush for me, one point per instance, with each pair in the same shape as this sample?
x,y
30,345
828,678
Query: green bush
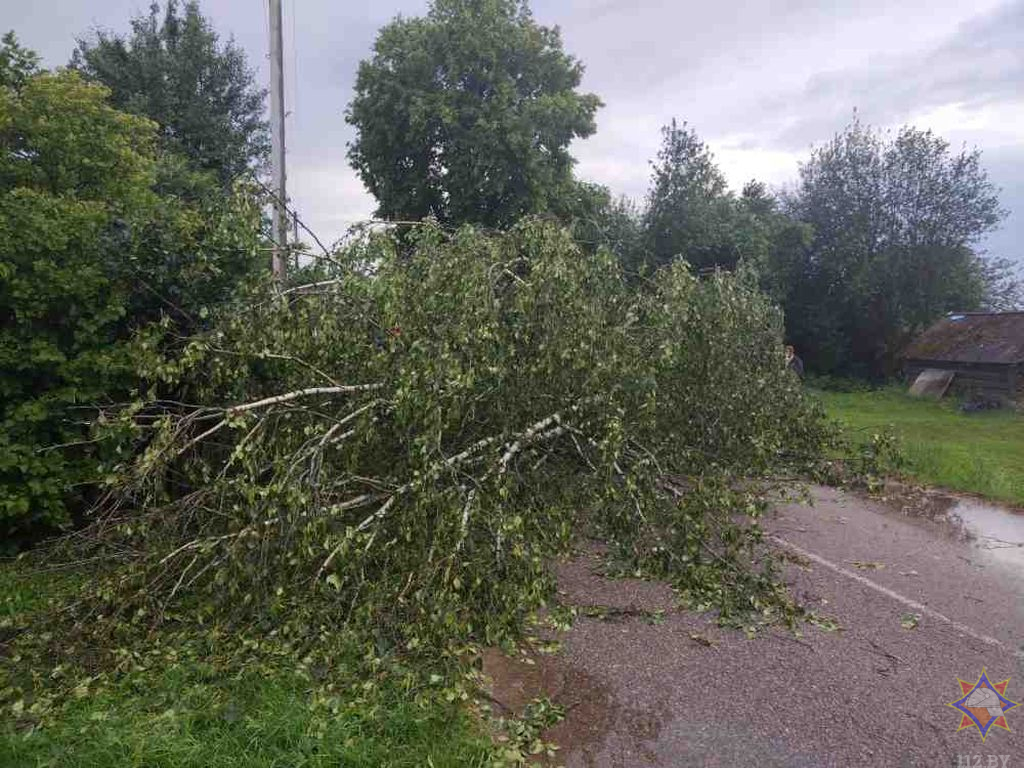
x,y
100,236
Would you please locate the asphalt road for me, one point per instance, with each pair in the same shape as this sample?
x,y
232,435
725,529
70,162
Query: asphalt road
x,y
873,693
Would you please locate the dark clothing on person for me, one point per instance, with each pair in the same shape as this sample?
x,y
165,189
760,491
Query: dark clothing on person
x,y
796,365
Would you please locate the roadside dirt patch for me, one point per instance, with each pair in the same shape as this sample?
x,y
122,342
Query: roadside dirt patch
x,y
516,680
592,710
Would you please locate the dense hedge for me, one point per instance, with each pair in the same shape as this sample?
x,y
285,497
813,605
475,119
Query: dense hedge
x,y
100,235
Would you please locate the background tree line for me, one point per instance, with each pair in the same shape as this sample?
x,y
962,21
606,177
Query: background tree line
x,y
125,214
466,115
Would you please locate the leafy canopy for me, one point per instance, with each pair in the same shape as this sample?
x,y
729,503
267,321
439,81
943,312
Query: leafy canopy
x,y
897,220
173,69
90,253
17,64
687,201
466,115
690,213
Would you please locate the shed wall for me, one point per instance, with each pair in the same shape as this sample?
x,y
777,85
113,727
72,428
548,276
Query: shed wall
x,y
984,378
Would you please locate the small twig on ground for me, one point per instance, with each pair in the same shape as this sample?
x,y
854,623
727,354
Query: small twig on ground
x,y
876,648
797,640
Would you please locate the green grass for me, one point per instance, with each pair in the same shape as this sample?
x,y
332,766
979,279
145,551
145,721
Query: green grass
x,y
194,715
979,453
182,718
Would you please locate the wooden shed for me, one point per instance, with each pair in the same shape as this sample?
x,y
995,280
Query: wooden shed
x,y
984,351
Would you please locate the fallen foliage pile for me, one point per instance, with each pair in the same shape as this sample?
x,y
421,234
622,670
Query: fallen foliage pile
x,y
400,445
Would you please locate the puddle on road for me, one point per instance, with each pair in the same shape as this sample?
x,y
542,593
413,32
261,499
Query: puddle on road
x,y
994,531
997,530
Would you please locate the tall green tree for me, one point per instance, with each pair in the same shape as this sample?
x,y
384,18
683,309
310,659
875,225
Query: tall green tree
x,y
897,220
467,114
17,64
599,220
616,224
174,69
690,213
777,241
93,256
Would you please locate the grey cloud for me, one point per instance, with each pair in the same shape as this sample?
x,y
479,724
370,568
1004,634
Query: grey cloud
x,y
1005,167
983,63
760,80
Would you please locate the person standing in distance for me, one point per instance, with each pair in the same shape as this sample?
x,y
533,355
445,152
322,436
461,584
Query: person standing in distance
x,y
794,363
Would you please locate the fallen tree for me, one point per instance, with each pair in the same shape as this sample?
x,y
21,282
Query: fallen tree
x,y
402,444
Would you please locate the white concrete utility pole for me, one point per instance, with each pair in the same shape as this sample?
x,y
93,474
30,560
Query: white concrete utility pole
x,y
279,229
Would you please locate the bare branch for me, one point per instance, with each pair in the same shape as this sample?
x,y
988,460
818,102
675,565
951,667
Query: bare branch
x,y
299,393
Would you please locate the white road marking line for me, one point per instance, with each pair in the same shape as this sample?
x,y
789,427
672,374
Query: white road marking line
x,y
924,610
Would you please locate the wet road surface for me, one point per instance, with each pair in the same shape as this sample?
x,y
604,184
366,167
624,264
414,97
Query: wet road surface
x,y
873,693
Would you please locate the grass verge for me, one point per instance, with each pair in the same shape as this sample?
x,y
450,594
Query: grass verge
x,y
979,453
191,713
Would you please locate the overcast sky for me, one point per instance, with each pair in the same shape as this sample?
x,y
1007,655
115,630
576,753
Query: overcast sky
x,y
761,82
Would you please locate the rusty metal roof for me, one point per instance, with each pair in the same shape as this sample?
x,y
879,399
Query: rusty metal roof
x,y
972,337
